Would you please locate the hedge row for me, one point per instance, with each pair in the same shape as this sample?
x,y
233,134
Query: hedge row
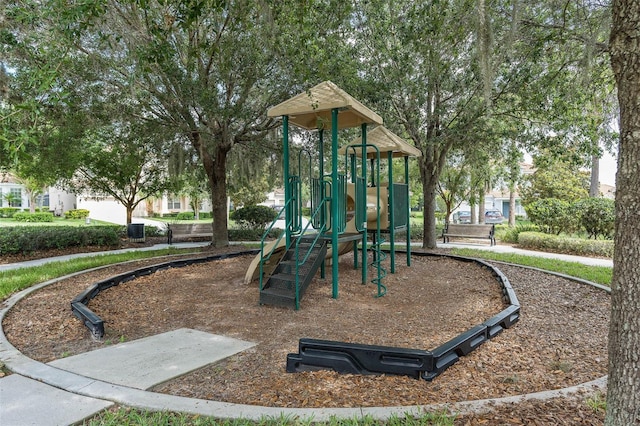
x,y
8,211
76,214
25,239
33,217
561,244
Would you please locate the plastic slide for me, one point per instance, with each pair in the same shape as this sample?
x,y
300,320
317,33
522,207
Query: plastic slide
x,y
343,248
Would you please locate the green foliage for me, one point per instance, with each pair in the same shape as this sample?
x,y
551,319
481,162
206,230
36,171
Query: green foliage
x,y
597,216
205,215
186,216
552,215
555,179
125,416
254,217
33,217
597,402
562,244
76,214
245,234
510,235
416,233
20,239
7,212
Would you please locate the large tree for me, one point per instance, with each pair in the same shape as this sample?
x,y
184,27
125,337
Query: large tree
x,y
623,393
422,66
125,162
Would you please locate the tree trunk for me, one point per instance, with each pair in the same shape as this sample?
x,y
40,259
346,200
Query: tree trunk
x,y
474,214
594,187
623,394
481,208
215,167
512,208
218,181
129,210
429,183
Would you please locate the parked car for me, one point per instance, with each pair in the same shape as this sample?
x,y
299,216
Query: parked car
x,y
493,216
462,217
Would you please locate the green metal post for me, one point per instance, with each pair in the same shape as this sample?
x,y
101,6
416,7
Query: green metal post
x,y
364,204
323,218
392,218
406,180
352,159
334,202
287,190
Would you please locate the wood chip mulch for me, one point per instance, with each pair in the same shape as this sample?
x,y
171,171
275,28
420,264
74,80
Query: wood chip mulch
x,y
560,341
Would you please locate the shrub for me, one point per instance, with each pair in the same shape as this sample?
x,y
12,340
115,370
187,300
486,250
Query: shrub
x,y
511,234
153,231
597,216
33,217
245,234
554,243
552,215
254,217
21,239
76,214
186,216
206,215
417,232
8,211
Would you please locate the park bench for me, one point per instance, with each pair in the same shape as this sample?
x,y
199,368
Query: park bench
x,y
479,231
176,231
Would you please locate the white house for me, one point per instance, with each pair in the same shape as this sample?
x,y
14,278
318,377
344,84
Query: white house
x,y
55,199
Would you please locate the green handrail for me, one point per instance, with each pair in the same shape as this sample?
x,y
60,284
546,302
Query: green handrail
x,y
299,262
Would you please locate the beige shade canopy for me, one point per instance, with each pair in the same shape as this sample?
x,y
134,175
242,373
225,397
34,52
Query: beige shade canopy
x,y
386,141
311,109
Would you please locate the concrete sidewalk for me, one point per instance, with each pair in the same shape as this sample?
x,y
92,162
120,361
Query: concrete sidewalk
x,y
70,390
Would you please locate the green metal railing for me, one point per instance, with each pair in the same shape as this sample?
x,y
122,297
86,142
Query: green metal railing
x,y
319,190
293,226
307,254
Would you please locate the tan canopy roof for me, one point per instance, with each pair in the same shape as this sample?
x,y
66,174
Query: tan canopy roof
x,y
312,109
386,141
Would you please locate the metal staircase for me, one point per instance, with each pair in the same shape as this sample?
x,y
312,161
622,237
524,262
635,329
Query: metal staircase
x,y
291,277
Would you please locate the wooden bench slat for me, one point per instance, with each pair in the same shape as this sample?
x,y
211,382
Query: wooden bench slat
x,y
482,231
182,230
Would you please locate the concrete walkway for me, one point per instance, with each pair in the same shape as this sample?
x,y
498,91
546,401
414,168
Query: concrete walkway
x,y
70,390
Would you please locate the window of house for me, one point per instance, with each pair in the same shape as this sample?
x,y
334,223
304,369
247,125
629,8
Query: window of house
x,y
42,200
173,202
16,197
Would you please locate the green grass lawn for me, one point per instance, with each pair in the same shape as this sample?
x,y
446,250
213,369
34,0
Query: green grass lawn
x,y
57,221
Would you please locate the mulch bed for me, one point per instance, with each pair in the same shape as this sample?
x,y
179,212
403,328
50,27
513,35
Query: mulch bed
x,y
560,341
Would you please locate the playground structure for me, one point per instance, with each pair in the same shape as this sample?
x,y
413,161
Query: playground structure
x,y
349,204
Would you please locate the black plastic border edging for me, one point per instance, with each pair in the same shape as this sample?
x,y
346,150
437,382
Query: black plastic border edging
x,y
95,324
343,357
369,359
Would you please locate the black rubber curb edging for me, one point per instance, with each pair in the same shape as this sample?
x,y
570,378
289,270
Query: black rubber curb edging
x,y
146,400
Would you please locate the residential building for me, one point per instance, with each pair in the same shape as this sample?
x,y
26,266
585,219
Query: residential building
x,y
14,194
